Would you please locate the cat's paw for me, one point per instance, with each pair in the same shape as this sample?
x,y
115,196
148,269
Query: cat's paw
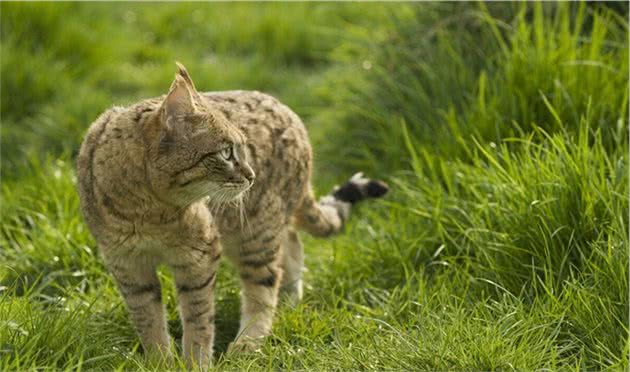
x,y
245,344
159,359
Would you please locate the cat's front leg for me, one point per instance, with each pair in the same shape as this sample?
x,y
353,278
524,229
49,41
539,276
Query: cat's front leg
x,y
195,275
140,287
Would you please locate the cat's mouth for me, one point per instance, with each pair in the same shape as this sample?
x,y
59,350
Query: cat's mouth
x,y
230,192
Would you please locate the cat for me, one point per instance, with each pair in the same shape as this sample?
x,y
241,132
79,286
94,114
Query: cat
x,y
183,178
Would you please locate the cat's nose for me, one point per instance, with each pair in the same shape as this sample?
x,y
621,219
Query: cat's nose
x,y
250,176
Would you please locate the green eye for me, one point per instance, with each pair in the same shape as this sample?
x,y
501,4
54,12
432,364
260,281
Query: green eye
x,y
226,153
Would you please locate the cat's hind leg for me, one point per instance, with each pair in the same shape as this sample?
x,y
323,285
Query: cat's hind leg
x,y
260,268
293,266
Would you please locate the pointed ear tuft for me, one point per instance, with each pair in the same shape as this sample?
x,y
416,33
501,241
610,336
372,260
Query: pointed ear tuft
x,y
179,100
184,74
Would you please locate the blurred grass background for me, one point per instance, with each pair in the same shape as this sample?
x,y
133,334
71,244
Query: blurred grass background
x,y
502,128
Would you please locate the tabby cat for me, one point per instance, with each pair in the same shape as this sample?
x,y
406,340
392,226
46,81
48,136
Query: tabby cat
x,y
182,178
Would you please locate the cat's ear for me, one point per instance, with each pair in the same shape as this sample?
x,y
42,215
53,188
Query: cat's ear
x,y
179,100
184,74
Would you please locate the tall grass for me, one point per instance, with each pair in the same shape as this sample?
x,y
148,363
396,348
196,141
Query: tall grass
x,y
472,75
518,163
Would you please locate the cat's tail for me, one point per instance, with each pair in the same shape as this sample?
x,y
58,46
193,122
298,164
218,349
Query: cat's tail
x,y
328,215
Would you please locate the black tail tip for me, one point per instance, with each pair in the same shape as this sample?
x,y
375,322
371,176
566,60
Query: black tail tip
x,y
376,189
359,188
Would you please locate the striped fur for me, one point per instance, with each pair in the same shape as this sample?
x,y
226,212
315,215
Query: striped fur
x,y
187,177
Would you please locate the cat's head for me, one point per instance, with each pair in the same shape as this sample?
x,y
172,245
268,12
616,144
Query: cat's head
x,y
193,151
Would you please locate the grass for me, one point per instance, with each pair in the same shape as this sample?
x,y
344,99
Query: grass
x,y
502,129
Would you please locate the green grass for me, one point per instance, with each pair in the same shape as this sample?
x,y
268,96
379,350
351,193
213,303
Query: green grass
x,y
502,129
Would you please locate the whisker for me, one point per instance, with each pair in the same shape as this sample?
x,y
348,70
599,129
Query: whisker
x,y
243,200
241,214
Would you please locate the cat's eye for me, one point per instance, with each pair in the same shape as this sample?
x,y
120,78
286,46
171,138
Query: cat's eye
x,y
226,153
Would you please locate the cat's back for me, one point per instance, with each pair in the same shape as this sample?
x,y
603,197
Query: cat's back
x,y
273,130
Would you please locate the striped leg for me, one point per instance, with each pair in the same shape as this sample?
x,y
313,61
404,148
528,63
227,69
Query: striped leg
x,y
260,272
195,285
292,266
141,290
